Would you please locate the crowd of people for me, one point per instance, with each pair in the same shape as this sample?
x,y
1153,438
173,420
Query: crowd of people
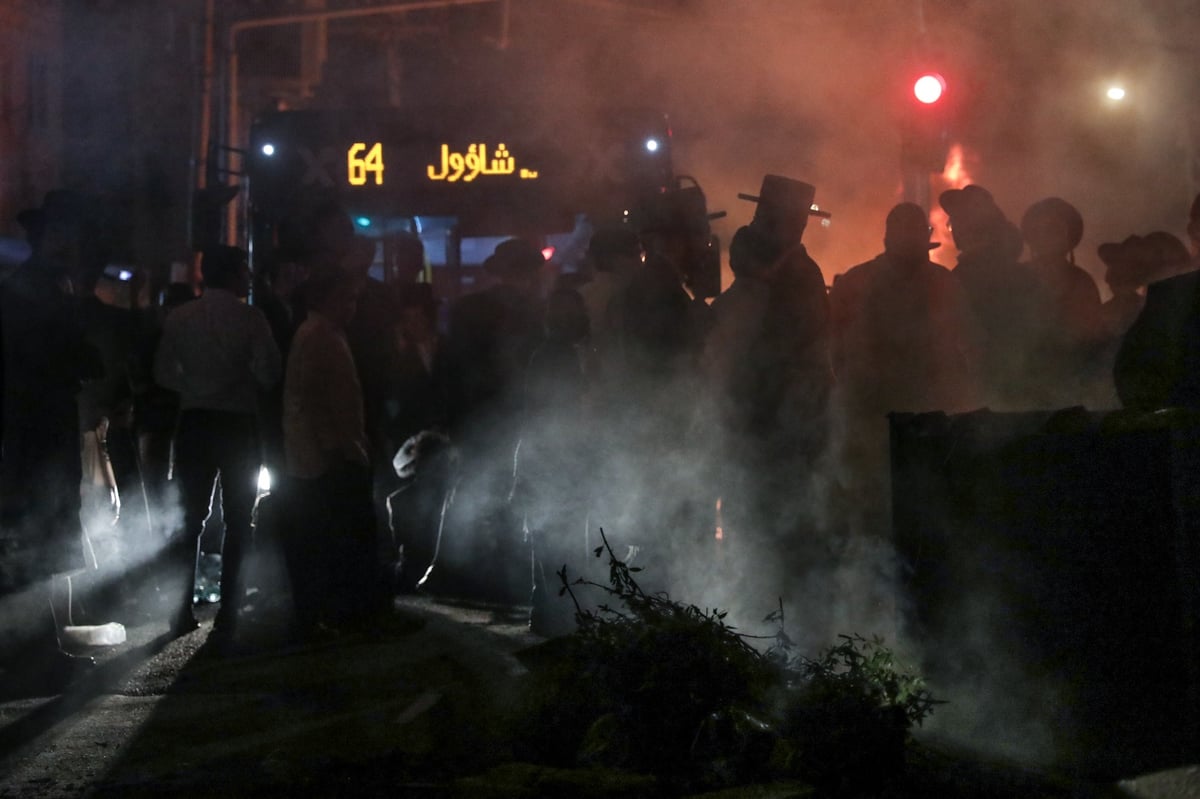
x,y
480,448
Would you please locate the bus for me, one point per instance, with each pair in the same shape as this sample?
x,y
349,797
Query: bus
x,y
461,179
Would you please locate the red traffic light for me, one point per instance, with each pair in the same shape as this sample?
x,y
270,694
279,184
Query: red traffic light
x,y
929,88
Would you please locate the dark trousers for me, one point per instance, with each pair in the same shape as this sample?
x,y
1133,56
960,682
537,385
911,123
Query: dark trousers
x,y
208,445
330,547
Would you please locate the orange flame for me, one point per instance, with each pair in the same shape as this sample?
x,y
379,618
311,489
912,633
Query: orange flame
x,y
954,176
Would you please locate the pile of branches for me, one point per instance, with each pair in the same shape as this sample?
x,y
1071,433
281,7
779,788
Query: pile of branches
x,y
656,686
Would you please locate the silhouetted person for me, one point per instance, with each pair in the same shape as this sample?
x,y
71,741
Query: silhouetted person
x,y
793,350
1005,297
276,295
406,258
903,341
1053,228
1158,361
1129,268
662,324
645,406
742,459
739,312
312,240
491,336
1158,364
331,539
218,353
109,449
614,256
414,403
46,359
156,409
415,398
553,456
903,335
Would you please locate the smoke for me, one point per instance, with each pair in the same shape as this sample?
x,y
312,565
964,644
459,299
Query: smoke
x,y
120,568
817,92
997,702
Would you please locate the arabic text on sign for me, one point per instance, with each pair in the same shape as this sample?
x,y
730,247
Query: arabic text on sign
x,y
474,162
357,166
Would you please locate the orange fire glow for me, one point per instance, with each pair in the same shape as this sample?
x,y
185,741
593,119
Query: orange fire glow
x,y
954,176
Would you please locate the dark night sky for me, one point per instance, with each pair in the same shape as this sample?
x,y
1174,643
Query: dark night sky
x,y
810,90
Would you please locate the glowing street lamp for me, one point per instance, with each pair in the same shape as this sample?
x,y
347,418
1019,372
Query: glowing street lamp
x,y
929,88
1115,93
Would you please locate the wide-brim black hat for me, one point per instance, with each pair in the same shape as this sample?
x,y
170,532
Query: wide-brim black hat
x,y
514,256
970,202
789,197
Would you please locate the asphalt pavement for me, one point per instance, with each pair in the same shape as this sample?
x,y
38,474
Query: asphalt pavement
x,y
408,710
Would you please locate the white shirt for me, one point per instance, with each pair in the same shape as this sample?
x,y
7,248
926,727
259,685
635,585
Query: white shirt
x,y
217,352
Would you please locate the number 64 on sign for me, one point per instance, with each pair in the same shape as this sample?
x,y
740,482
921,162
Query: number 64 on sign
x,y
358,165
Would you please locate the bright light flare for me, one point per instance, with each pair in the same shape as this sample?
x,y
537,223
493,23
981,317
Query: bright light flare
x,y
1115,93
929,88
548,253
264,480
652,145
268,149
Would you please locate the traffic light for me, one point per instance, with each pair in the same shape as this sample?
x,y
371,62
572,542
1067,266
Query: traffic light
x,y
925,138
208,213
928,88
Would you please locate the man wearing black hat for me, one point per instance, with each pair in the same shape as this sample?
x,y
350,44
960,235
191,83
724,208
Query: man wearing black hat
x,y
1005,297
663,317
1158,363
46,358
902,342
793,344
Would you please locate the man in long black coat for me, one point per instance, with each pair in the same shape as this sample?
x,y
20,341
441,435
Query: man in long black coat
x,y
46,358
